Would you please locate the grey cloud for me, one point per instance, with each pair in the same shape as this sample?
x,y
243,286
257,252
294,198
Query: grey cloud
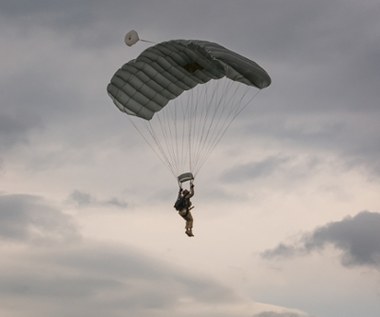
x,y
324,93
131,264
299,167
255,170
34,96
102,280
77,20
281,251
27,218
330,53
116,202
13,129
51,13
352,137
83,199
358,238
49,65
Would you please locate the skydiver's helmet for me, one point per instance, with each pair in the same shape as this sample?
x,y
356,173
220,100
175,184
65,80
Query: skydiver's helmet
x,y
185,192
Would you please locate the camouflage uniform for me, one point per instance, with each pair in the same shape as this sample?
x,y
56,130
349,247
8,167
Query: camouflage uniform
x,y
185,213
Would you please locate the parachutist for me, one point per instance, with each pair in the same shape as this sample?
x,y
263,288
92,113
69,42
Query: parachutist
x,y
184,205
181,96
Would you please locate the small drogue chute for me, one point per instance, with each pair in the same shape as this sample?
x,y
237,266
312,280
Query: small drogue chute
x,y
132,37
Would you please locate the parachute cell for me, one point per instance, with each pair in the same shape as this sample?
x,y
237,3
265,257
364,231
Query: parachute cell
x,y
183,95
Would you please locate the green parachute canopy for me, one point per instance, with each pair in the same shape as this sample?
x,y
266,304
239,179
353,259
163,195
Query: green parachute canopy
x,y
161,73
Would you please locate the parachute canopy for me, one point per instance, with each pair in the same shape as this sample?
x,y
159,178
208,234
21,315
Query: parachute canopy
x,y
182,96
161,73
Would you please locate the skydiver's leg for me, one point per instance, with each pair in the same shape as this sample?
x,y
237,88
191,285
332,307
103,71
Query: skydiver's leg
x,y
189,224
183,213
186,214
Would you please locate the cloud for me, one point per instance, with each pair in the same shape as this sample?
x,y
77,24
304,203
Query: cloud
x,y
28,218
349,135
255,170
358,238
83,199
103,280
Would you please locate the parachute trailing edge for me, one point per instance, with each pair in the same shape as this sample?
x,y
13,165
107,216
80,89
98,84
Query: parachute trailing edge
x,y
145,85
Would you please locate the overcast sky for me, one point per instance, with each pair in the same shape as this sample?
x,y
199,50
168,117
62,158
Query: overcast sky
x,y
287,217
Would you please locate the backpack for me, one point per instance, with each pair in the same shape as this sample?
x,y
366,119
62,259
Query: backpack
x,y
181,203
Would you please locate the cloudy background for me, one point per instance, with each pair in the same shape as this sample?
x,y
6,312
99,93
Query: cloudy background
x,y
287,219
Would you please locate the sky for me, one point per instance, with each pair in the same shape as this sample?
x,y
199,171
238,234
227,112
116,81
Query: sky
x,y
287,209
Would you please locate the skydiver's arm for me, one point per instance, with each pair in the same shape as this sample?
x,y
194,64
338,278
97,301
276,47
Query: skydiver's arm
x,y
179,193
191,194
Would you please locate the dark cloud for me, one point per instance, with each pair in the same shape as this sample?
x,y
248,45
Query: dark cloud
x,y
51,13
325,56
35,93
27,218
358,238
300,167
88,24
324,92
14,130
102,280
83,199
352,137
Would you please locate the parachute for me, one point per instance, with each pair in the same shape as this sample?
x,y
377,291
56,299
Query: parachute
x,y
182,95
